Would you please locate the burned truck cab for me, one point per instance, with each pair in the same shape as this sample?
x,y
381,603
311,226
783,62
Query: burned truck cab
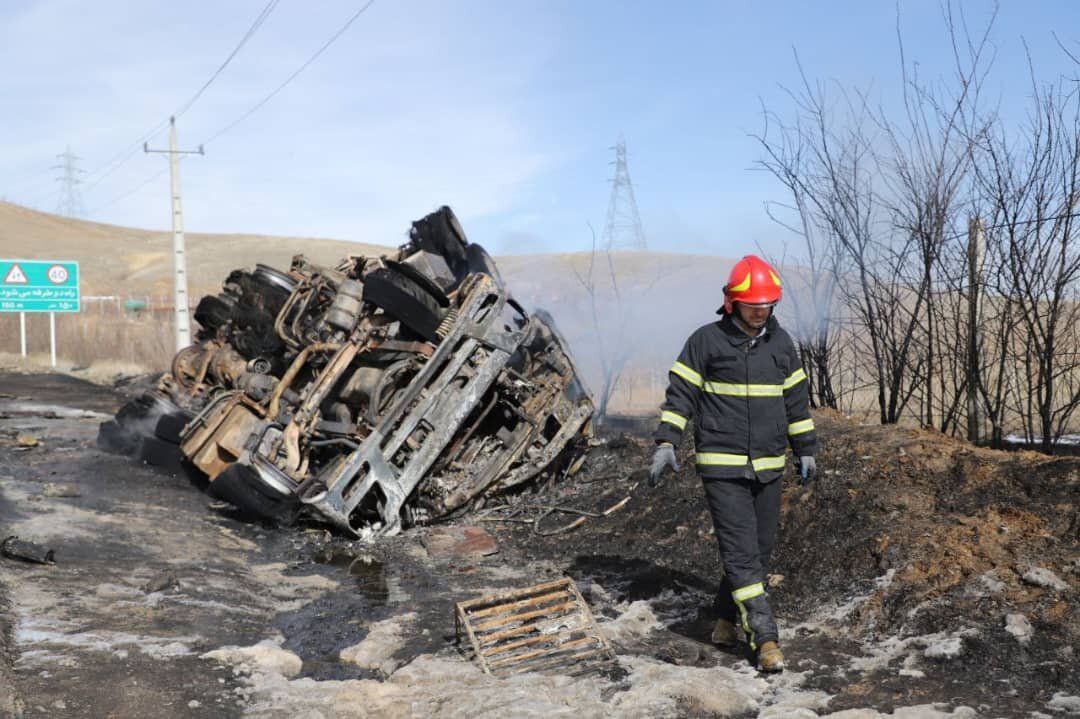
x,y
377,393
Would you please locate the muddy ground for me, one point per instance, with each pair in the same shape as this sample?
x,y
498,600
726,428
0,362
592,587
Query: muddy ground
x,y
919,577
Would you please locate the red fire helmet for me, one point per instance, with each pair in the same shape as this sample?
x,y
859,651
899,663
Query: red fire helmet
x,y
752,281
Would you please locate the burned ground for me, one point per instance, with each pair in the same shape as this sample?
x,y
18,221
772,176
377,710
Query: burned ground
x,y
899,570
907,534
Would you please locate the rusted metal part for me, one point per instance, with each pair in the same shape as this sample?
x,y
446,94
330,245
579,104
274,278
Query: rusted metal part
x,y
458,541
219,436
290,375
546,627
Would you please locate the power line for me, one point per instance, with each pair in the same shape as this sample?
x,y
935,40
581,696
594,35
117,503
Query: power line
x,y
122,157
340,31
130,192
243,41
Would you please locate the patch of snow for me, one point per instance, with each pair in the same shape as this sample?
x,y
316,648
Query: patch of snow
x,y
37,409
987,583
1019,626
1036,440
381,643
880,653
947,648
35,632
1042,577
1065,702
635,621
910,667
206,604
715,690
166,651
452,688
922,711
788,699
841,612
108,590
266,657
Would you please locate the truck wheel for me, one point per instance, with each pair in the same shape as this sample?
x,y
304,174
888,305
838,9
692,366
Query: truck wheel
x,y
480,261
170,425
161,454
212,312
239,486
404,299
116,439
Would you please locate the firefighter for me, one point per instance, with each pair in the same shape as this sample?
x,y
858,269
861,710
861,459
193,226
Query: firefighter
x,y
740,381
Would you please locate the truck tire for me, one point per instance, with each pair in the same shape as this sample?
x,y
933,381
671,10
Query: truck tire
x,y
169,426
480,261
239,486
116,439
161,454
404,299
212,312
440,233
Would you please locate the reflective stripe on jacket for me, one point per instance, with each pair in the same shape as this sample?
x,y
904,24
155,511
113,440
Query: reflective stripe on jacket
x,y
747,398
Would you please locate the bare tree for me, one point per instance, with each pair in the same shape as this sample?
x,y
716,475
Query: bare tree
x,y
813,301
878,198
926,172
830,164
1033,185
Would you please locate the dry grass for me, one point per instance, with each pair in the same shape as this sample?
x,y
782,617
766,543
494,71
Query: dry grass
x,y
127,345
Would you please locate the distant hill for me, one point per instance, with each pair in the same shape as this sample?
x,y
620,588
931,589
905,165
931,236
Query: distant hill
x,y
125,260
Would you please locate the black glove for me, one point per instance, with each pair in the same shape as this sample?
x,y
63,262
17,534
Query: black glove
x,y
807,469
662,459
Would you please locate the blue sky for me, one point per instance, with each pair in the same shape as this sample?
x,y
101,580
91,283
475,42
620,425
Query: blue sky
x,y
505,110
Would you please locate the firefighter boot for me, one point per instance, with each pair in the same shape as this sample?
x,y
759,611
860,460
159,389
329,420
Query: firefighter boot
x,y
725,634
757,621
770,658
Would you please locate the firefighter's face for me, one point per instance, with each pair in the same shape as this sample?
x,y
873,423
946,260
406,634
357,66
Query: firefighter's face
x,y
754,316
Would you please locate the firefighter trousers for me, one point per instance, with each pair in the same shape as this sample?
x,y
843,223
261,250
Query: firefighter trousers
x,y
745,513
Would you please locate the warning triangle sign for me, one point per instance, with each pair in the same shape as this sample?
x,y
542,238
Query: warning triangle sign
x,y
16,276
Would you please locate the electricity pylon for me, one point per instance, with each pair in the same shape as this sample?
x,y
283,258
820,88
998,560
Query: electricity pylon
x,y
622,230
70,202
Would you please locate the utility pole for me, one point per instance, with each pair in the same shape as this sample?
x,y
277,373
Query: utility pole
x,y
70,203
976,250
622,230
180,294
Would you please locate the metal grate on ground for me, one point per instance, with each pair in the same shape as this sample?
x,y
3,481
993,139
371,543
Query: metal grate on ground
x,y
546,627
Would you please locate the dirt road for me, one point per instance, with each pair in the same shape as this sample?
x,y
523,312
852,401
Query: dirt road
x,y
161,603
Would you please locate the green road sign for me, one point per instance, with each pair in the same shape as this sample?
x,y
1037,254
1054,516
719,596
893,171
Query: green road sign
x,y
39,286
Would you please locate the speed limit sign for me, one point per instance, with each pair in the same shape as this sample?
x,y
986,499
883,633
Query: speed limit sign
x,y
57,274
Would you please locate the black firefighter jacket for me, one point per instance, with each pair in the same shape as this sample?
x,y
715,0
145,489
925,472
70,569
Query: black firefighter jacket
x,y
747,396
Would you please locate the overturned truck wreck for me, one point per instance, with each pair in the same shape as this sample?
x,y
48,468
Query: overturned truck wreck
x,y
380,392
